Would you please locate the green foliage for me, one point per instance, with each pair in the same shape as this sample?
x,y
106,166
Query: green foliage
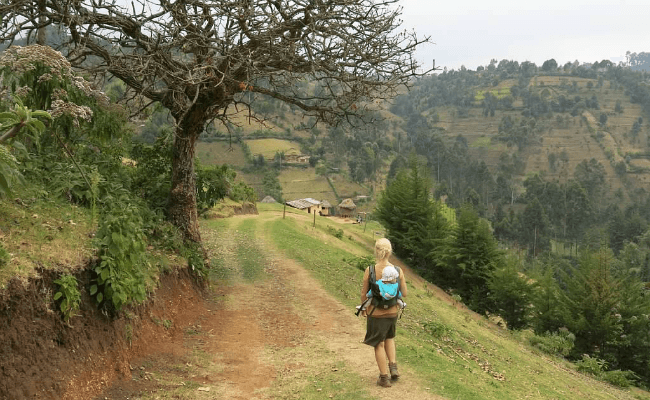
x,y
556,343
242,192
591,365
212,184
361,263
247,153
592,300
9,173
193,253
121,243
436,329
547,300
591,175
469,257
152,173
67,181
22,119
511,293
620,378
337,233
4,256
158,124
271,185
69,295
413,221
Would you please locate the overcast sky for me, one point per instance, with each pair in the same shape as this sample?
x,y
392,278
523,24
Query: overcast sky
x,y
472,32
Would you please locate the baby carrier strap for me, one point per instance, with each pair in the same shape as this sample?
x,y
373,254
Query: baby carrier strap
x,y
377,299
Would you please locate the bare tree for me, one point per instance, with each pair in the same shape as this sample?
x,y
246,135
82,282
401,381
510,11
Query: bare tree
x,y
333,59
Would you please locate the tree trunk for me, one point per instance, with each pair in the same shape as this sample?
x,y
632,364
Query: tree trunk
x,y
41,33
182,198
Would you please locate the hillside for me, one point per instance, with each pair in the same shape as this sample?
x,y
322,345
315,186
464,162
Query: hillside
x,y
574,118
519,120
272,325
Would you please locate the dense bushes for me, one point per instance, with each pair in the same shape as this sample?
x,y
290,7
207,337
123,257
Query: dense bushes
x,y
87,156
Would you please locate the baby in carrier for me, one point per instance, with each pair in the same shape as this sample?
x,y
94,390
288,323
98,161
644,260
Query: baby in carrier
x,y
388,288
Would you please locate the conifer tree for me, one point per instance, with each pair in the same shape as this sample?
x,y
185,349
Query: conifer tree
x,y
470,255
412,219
511,293
592,300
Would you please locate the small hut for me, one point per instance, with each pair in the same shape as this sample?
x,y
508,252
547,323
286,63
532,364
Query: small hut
x,y
268,199
309,204
347,208
325,207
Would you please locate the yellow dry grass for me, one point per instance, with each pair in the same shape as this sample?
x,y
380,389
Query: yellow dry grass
x,y
268,147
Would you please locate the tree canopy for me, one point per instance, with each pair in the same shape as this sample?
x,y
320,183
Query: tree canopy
x,y
206,60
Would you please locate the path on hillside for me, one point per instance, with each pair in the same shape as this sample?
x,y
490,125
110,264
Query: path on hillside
x,y
269,338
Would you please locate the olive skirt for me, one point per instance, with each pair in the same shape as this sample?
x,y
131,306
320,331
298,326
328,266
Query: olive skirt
x,y
379,329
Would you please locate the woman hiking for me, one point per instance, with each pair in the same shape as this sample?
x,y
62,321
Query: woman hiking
x,y
382,316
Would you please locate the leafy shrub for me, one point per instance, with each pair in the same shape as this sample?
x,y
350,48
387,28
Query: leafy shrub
x,y
591,365
212,184
436,329
620,378
121,242
67,181
4,256
152,174
8,170
361,263
556,343
69,295
242,192
193,253
337,233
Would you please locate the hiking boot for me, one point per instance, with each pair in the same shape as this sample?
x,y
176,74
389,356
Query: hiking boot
x,y
394,373
384,380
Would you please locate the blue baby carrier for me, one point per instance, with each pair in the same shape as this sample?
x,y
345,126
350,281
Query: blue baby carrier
x,y
377,300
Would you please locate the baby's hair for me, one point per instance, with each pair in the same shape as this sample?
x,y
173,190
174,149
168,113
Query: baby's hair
x,y
383,249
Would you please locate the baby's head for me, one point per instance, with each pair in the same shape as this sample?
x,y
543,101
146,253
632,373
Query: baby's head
x,y
389,274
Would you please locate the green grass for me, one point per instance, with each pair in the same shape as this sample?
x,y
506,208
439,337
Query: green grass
x,y
249,255
458,354
322,259
498,93
268,147
219,153
43,233
298,183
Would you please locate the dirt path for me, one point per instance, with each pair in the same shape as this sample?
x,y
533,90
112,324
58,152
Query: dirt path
x,y
236,346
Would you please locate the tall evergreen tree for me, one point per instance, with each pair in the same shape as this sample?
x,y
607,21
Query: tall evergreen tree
x,y
413,221
592,299
470,255
511,293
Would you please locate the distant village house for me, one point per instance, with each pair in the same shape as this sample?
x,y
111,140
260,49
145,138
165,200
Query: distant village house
x,y
311,205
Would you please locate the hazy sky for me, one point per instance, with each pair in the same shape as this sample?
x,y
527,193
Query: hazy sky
x,y
471,32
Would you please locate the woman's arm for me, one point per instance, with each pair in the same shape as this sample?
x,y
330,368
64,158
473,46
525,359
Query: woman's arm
x,y
366,286
402,283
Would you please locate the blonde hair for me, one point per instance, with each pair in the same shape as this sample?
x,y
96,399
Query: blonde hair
x,y
383,249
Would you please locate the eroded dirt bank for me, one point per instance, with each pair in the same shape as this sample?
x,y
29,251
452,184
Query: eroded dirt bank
x,y
42,357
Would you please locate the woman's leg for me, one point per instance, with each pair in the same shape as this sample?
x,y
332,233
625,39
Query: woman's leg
x,y
389,348
380,356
